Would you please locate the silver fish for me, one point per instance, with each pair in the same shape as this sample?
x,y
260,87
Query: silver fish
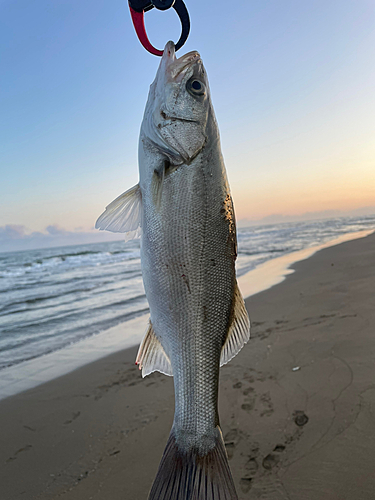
x,y
198,319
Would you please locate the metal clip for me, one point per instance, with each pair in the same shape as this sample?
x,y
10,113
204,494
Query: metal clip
x,y
139,7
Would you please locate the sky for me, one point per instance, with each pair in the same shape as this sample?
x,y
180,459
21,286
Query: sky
x,y
292,85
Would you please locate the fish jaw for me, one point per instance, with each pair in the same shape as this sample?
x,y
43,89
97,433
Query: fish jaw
x,y
172,68
175,121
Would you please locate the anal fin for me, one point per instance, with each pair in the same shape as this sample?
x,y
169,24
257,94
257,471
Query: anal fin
x,y
239,330
151,356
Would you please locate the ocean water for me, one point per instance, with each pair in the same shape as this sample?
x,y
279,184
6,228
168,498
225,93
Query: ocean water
x,y
51,298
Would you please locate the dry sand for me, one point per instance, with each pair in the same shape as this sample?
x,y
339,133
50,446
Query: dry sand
x,y
296,405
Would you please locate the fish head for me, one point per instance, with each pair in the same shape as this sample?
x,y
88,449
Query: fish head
x,y
178,105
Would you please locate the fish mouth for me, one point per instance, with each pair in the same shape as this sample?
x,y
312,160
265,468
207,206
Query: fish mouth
x,y
177,67
183,63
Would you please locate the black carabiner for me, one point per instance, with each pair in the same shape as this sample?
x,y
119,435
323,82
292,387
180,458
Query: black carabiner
x,y
162,4
139,7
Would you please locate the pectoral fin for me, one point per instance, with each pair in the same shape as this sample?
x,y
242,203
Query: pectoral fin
x,y
151,356
239,330
123,215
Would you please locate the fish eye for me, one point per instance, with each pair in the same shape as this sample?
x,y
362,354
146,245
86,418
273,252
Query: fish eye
x,y
195,87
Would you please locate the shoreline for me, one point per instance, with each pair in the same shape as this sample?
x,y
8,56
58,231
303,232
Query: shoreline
x,y
29,374
275,271
296,404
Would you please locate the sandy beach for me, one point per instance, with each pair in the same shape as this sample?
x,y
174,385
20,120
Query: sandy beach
x,y
296,405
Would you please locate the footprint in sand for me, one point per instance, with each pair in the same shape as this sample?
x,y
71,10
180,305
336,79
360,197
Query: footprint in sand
x,y
249,405
300,418
75,415
29,428
252,465
230,440
25,448
267,404
272,459
247,391
230,447
279,448
249,401
128,378
248,377
245,484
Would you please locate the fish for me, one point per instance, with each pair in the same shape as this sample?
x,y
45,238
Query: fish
x,y
183,208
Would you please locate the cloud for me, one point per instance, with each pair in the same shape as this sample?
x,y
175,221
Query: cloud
x,y
12,232
15,237
55,230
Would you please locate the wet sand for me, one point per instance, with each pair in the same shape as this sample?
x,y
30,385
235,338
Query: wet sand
x,y
296,405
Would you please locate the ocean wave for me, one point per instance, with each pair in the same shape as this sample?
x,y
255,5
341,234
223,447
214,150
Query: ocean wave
x,y
69,260
14,307
53,297
264,252
28,349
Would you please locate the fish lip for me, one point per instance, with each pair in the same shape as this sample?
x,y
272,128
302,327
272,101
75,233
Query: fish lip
x,y
178,66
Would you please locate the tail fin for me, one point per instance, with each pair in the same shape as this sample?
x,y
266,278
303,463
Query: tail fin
x,y
189,476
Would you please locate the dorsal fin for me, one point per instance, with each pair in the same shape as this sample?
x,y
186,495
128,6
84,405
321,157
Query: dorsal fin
x,y
151,356
239,330
123,215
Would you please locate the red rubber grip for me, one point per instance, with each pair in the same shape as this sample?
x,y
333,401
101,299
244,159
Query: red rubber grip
x,y
140,29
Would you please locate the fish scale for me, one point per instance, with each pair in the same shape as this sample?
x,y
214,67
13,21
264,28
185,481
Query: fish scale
x,y
195,311
204,310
